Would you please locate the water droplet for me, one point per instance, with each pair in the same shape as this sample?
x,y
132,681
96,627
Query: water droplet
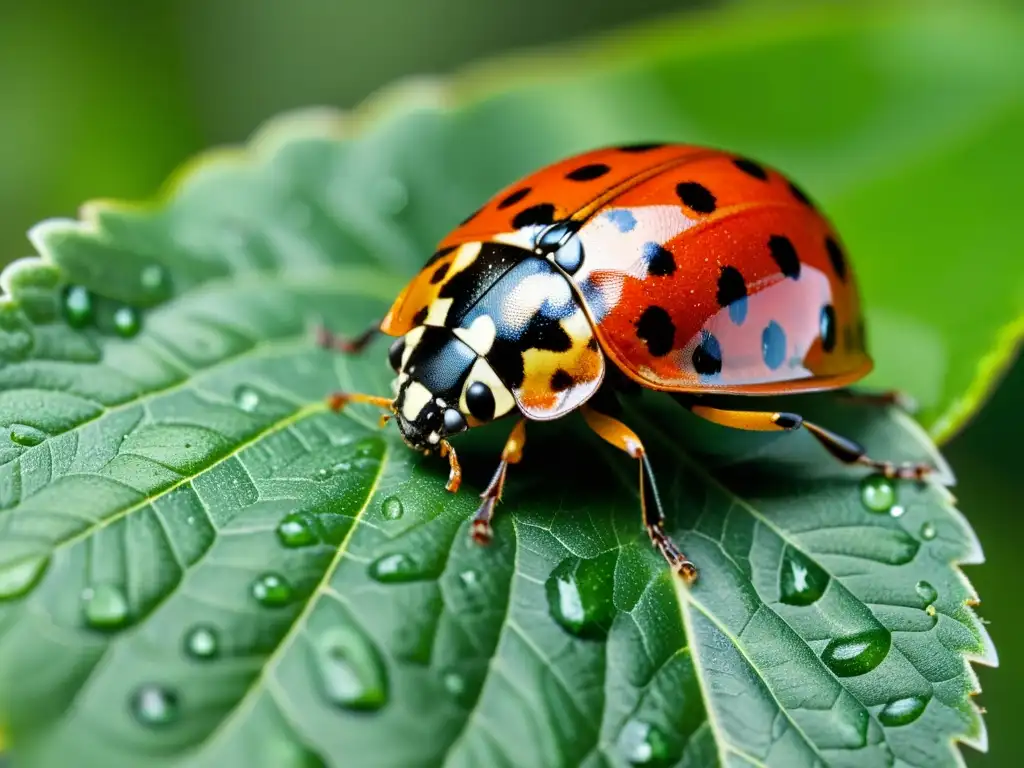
x,y
19,577
897,511
857,654
801,580
247,398
191,519
454,683
321,474
643,744
201,642
878,493
126,321
927,592
469,578
22,434
903,711
155,705
351,671
398,568
106,606
271,589
153,278
928,531
580,595
391,508
297,530
77,306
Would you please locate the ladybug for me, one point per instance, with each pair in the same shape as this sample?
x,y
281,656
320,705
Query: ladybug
x,y
681,268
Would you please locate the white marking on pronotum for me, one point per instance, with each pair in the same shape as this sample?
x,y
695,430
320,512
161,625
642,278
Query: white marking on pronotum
x,y
480,334
437,312
416,397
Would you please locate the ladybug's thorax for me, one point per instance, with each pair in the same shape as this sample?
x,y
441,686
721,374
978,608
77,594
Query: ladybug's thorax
x,y
442,388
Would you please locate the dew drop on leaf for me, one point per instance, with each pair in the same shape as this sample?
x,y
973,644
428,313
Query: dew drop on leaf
x,y
927,592
155,705
469,578
297,530
22,434
247,398
643,744
579,595
897,511
126,321
454,683
397,568
106,606
878,493
272,589
19,577
928,531
350,670
77,306
857,654
902,711
202,642
801,580
153,278
391,508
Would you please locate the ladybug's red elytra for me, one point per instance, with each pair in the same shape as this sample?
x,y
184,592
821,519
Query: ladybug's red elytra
x,y
686,269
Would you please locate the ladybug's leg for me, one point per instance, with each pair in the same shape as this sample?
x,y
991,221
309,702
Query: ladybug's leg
x,y
336,401
843,449
328,340
901,400
623,438
512,453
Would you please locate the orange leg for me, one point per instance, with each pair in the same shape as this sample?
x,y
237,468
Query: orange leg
x,y
845,450
623,438
328,340
512,453
454,470
338,400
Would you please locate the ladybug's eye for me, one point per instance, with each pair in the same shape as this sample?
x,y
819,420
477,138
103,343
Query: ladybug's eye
x,y
453,422
395,353
480,401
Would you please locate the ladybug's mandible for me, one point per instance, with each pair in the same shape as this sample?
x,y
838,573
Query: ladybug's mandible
x,y
687,269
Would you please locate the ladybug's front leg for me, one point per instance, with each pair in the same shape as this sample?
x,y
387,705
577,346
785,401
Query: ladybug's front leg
x,y
842,448
623,438
329,340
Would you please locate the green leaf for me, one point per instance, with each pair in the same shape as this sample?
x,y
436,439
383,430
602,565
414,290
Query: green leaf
x,y
201,565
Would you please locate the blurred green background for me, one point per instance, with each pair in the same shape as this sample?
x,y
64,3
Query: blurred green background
x,y
105,99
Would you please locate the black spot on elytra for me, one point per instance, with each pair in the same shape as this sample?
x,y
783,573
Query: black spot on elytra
x,y
696,197
660,261
588,172
731,286
514,198
420,316
656,330
592,344
547,333
836,256
561,380
438,255
827,328
542,213
800,195
439,274
784,253
640,147
707,355
751,168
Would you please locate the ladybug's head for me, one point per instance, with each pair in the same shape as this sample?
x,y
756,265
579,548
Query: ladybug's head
x,y
443,387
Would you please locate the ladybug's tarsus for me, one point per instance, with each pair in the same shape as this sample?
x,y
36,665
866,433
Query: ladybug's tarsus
x,y
337,401
454,470
623,438
844,449
480,527
327,339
